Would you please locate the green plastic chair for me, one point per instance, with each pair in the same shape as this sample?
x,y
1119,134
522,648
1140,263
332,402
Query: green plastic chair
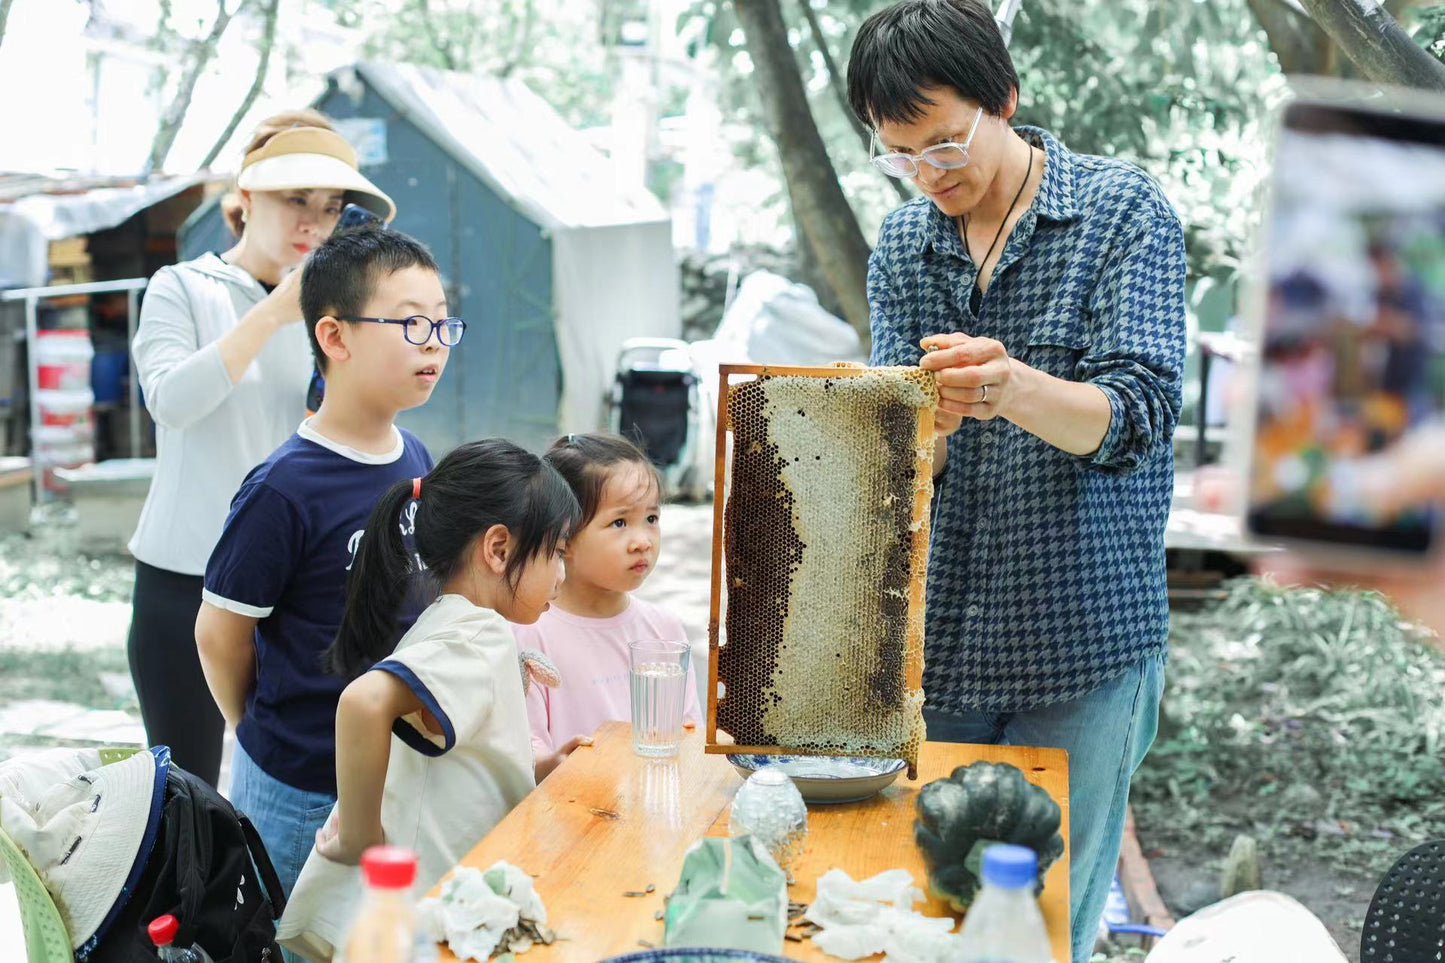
x,y
45,938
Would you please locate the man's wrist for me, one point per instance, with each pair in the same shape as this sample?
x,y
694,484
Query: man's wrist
x,y
1022,396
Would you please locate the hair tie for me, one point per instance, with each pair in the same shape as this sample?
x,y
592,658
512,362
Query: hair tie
x,y
571,439
416,487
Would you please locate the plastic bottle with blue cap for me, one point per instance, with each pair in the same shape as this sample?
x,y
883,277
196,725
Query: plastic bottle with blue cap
x,y
1004,924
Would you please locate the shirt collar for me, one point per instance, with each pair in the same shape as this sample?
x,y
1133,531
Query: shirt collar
x,y
1054,200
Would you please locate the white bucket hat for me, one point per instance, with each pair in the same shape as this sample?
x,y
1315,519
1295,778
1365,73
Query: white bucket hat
x,y
80,821
311,158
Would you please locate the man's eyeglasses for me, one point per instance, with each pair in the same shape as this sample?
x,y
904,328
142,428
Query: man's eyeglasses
x,y
948,156
418,328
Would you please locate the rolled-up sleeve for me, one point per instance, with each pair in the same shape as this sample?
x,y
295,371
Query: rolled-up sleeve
x,y
1137,355
183,380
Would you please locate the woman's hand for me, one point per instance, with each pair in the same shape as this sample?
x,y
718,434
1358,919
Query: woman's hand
x,y
975,378
544,766
279,309
332,846
283,305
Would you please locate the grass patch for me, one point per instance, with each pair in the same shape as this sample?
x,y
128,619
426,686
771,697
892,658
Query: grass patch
x,y
1311,719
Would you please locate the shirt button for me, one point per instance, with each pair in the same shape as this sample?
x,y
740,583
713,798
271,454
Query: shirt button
x,y
973,611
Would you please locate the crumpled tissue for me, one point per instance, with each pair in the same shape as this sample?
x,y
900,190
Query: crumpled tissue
x,y
477,909
731,895
876,915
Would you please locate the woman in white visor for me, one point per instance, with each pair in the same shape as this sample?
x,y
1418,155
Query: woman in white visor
x,y
224,363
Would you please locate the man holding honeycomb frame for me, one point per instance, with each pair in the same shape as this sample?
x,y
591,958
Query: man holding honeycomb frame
x,y
1046,289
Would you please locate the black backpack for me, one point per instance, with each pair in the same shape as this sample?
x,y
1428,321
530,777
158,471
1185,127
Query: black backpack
x,y
209,869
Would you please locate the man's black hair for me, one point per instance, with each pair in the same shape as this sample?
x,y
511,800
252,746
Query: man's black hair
x,y
911,46
341,274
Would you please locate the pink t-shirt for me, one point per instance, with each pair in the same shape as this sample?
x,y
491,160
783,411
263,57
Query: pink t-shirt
x,y
591,657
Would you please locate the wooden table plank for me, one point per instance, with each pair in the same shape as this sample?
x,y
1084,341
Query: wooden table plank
x,y
583,859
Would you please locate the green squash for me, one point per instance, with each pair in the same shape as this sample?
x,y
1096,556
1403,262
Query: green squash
x,y
976,806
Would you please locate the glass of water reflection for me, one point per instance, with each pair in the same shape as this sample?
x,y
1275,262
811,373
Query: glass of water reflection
x,y
659,689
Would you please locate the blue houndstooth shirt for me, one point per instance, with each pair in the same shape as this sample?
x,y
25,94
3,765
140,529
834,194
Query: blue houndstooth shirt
x,y
1046,577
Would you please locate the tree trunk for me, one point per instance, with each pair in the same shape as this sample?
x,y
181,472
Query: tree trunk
x,y
1299,45
1376,44
268,41
828,223
175,113
835,84
4,16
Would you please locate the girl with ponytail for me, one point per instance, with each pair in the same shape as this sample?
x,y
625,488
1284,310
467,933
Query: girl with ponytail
x,y
432,742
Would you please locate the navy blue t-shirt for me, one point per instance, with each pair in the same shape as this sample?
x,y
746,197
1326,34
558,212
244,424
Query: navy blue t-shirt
x,y
283,558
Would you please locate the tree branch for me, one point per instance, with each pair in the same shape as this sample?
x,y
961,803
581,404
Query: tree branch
x,y
1299,45
523,48
835,84
449,59
175,113
1376,43
268,40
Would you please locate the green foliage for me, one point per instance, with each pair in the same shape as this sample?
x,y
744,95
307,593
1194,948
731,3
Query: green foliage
x,y
552,45
1297,713
1183,89
1429,28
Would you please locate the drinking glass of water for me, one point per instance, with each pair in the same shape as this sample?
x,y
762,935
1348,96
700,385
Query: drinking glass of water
x,y
659,687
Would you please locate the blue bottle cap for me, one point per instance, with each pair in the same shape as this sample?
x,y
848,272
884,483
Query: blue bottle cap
x,y
1009,867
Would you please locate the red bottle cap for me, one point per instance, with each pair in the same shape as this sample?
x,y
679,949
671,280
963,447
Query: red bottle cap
x,y
163,929
389,867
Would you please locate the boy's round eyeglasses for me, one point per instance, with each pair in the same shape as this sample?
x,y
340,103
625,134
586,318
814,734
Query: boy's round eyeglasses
x,y
418,328
948,156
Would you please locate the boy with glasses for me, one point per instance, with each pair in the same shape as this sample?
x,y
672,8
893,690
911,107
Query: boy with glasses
x,y
275,586
1046,288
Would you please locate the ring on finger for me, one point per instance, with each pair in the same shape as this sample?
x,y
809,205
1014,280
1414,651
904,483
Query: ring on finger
x,y
983,400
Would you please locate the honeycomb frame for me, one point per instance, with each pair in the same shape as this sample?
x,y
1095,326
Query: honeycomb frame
x,y
889,723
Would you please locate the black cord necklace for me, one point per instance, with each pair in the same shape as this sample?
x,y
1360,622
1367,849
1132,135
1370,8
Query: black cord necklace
x,y
999,233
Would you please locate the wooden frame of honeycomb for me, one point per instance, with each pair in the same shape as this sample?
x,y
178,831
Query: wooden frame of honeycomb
x,y
820,541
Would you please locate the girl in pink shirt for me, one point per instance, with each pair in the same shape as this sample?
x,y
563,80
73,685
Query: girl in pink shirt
x,y
586,631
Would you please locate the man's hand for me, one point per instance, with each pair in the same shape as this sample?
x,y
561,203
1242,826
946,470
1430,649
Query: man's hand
x,y
975,378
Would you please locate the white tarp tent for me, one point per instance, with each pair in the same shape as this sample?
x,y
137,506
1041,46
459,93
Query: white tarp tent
x,y
614,273
30,222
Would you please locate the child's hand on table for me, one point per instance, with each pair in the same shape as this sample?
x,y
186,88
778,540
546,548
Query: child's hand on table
x,y
544,766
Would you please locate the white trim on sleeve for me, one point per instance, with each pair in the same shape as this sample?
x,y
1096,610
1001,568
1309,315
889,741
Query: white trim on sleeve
x,y
240,608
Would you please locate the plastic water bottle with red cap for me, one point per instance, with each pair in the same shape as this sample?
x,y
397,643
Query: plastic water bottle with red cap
x,y
162,932
385,927
1004,925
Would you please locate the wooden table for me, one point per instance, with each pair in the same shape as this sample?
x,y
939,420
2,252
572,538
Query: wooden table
x,y
608,822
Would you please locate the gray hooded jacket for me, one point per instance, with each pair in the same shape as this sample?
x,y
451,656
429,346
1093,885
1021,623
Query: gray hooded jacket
x,y
209,431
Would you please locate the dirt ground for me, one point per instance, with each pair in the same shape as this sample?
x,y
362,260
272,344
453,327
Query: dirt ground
x,y
1337,896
